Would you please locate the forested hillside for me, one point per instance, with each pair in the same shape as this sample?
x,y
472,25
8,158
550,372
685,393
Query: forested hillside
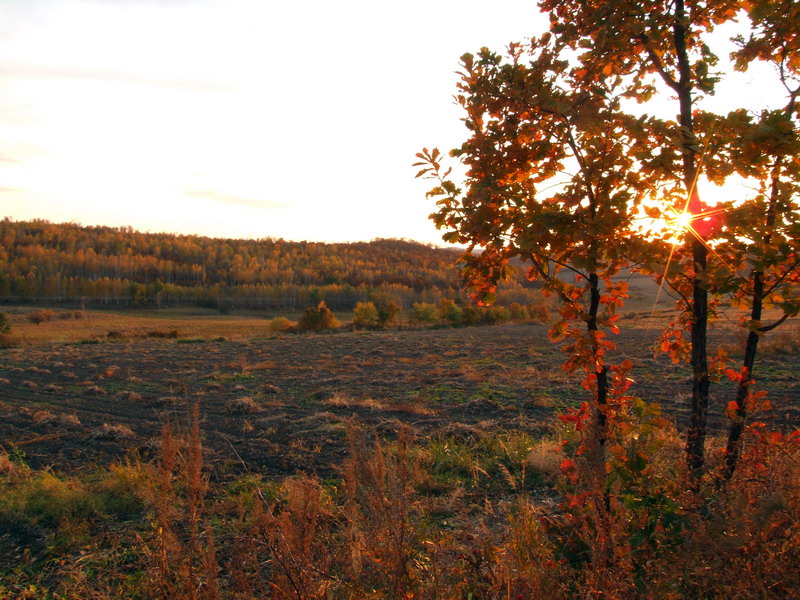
x,y
64,263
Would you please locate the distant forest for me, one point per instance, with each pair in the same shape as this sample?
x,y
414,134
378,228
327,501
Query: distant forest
x,y
43,262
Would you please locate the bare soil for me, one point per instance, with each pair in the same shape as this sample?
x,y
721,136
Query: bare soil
x,y
282,405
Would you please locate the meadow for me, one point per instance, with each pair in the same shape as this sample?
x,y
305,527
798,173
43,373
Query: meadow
x,y
197,455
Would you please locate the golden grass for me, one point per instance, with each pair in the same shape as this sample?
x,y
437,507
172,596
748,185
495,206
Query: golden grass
x,y
105,325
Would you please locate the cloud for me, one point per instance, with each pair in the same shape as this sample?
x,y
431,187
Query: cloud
x,y
102,75
223,198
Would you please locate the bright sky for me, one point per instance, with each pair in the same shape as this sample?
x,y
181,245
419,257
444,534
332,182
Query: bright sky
x,y
236,118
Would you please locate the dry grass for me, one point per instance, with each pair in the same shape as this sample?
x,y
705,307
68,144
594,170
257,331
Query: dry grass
x,y
546,457
103,325
390,527
243,405
116,432
7,466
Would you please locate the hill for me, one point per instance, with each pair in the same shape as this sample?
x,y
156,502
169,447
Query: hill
x,y
68,263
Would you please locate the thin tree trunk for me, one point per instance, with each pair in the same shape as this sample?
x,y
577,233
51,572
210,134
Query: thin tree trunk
x,y
602,373
733,448
701,383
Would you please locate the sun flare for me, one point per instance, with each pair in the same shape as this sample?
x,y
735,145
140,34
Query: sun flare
x,y
681,221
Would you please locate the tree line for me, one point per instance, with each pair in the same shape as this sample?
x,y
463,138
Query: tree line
x,y
118,266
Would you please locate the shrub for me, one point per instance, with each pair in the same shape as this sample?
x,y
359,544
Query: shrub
x,y
5,324
423,312
518,312
449,312
280,325
387,313
70,314
471,315
365,315
40,316
496,314
539,313
161,333
317,318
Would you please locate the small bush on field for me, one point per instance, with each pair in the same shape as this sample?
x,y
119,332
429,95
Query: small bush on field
x,y
449,312
518,312
317,318
365,315
40,316
280,325
72,314
494,315
539,313
423,313
387,313
163,334
5,324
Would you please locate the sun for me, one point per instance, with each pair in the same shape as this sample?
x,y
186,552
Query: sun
x,y
681,221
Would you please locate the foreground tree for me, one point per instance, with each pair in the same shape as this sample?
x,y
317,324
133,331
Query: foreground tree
x,y
763,234
566,103
550,181
660,45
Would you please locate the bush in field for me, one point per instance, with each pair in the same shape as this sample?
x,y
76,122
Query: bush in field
x,y
387,312
423,312
518,312
280,325
449,312
70,314
539,313
5,324
317,318
365,315
471,315
494,315
40,316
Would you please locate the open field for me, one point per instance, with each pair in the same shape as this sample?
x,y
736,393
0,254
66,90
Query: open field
x,y
394,464
132,324
56,398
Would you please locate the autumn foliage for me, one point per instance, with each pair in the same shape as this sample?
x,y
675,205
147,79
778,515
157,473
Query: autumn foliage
x,y
565,169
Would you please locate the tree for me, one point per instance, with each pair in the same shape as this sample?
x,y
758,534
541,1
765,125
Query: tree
x,y
567,100
549,180
423,312
387,312
652,44
365,315
317,318
449,312
764,236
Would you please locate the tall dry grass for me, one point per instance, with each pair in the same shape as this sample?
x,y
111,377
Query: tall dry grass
x,y
411,518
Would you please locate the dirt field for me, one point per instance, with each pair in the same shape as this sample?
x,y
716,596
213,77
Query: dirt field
x,y
282,404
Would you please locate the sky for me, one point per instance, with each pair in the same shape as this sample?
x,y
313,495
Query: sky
x,y
248,118
236,118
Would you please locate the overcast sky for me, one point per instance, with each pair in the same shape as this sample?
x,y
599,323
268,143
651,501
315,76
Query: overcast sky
x,y
236,118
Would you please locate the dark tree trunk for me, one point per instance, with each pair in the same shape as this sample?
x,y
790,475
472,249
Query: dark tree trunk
x,y
733,448
701,383
696,435
602,373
